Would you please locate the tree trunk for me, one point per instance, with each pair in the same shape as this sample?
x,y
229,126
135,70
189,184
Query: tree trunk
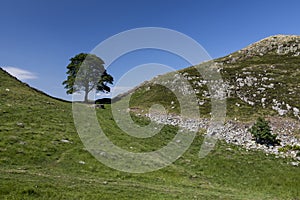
x,y
86,96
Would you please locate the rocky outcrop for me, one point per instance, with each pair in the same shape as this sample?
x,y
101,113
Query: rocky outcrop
x,y
237,133
277,44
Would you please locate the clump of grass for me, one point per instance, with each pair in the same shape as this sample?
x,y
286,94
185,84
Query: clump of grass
x,y
287,148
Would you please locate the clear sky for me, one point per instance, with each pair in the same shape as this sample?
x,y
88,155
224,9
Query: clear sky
x,y
39,37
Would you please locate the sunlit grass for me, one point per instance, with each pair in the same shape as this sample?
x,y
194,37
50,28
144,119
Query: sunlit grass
x,y
36,162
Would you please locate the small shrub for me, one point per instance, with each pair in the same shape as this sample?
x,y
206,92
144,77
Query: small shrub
x,y
262,133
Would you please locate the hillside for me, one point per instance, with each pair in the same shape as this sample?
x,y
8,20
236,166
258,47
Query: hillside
x,y
261,79
42,156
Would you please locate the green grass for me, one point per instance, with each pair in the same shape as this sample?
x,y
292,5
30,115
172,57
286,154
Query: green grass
x,y
36,164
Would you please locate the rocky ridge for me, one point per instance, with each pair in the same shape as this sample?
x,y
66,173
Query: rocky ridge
x,y
277,44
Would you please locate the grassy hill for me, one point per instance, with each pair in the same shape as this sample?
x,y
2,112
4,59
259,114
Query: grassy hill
x,y
42,156
261,79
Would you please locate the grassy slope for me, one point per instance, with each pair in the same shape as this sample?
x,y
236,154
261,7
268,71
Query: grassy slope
x,y
34,163
283,71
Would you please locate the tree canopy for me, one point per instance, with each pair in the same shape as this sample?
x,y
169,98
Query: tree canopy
x,y
85,73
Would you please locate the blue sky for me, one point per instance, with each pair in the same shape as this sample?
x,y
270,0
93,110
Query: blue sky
x,y
39,37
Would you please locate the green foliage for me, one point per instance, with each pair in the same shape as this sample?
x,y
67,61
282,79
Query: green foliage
x,y
85,73
289,148
262,133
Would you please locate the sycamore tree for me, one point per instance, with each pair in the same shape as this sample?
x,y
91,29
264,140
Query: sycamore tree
x,y
86,73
